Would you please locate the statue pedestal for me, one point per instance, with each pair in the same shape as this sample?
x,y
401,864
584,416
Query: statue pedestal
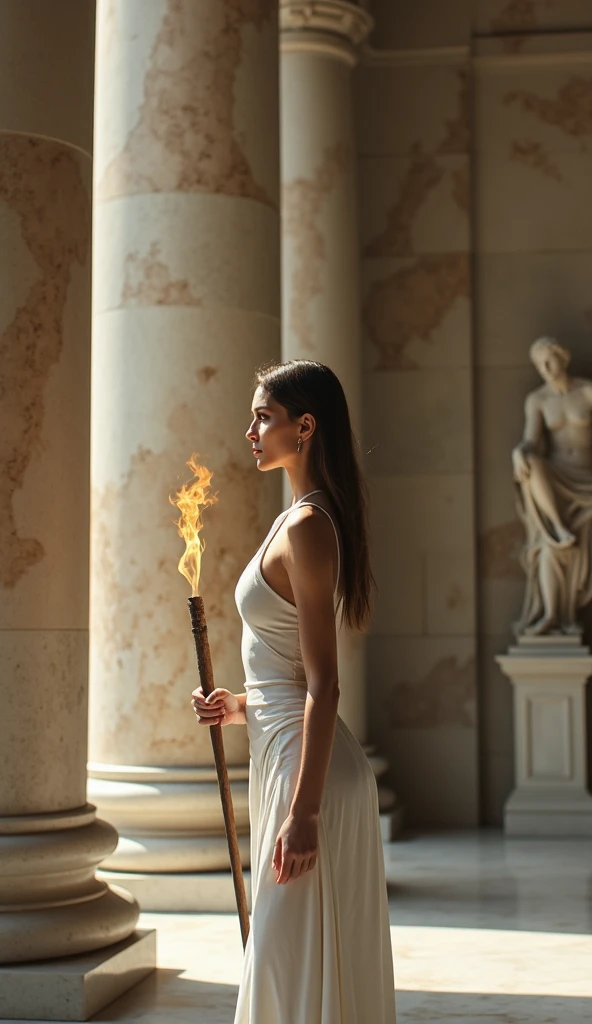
x,y
549,675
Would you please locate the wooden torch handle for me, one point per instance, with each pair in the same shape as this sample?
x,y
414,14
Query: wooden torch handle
x,y
206,677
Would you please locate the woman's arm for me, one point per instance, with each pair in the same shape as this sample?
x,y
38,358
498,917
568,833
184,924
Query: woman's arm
x,y
309,563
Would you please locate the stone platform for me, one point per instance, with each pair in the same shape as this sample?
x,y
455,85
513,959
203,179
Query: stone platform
x,y
77,987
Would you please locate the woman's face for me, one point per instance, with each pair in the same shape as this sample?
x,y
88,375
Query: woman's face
x,y
273,435
550,366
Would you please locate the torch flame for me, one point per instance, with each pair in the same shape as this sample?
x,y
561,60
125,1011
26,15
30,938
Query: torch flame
x,y
191,501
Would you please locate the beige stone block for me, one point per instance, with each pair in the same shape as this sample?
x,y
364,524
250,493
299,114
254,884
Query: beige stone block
x,y
45,674
496,714
44,425
420,422
422,538
542,104
400,577
401,106
417,204
421,694
180,251
35,97
416,311
423,682
209,892
316,111
186,103
499,528
174,800
450,592
526,202
497,780
420,513
500,603
499,406
141,646
77,987
501,16
423,23
187,851
523,295
436,776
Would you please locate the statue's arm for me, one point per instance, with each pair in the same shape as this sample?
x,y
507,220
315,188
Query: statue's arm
x,y
531,438
533,426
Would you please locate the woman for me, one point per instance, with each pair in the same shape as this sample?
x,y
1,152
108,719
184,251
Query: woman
x,y
553,471
319,949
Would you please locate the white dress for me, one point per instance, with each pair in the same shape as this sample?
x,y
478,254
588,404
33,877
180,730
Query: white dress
x,y
319,949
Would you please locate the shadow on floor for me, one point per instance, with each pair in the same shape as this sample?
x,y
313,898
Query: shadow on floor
x,y
165,996
474,1008
490,903
189,1000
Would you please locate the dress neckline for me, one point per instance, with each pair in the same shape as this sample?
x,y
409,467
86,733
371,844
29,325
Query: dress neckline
x,y
319,490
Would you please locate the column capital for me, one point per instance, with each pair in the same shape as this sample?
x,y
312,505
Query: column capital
x,y
329,27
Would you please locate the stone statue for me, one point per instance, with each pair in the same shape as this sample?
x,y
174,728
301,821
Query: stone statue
x,y
553,472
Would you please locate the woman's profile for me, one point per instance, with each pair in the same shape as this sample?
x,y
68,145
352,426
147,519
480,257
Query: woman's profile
x,y
319,950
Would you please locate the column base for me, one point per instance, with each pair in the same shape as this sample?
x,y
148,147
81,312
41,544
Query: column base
x,y
391,823
75,988
198,893
169,820
51,904
548,815
390,809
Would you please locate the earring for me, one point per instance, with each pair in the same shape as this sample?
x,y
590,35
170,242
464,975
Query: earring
x,y
299,445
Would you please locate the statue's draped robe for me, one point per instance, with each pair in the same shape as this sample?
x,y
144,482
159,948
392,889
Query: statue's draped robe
x,y
572,488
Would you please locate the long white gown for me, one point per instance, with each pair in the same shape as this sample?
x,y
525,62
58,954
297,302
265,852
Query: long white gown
x,y
319,950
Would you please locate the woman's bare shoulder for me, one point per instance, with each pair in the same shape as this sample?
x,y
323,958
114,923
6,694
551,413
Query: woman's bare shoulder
x,y
308,530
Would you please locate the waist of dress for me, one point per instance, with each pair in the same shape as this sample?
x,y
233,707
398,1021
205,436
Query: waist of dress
x,y
266,700
258,684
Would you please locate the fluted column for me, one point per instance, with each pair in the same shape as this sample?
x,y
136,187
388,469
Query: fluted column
x,y
186,306
51,904
320,265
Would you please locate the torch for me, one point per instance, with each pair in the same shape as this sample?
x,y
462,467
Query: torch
x,y
191,500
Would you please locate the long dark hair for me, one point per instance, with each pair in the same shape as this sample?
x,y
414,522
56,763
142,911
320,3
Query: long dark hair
x,y
302,386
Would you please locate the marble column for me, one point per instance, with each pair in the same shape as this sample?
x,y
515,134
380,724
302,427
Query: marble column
x,y
51,904
186,306
320,252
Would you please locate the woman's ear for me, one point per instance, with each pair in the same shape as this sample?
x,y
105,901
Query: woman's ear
x,y
307,426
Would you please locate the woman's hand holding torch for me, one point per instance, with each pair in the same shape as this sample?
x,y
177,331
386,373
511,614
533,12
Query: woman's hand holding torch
x,y
221,708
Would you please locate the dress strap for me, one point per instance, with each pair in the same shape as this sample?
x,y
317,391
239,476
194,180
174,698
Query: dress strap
x,y
305,496
330,518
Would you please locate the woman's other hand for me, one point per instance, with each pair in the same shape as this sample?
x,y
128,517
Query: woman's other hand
x,y
220,708
295,850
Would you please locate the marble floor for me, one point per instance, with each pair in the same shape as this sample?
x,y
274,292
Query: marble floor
x,y
484,930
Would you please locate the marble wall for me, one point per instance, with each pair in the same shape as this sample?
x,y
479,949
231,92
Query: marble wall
x,y
474,143
533,241
414,170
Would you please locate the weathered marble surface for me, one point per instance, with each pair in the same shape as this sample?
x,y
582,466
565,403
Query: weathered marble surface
x,y
532,138
186,306
50,844
414,137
